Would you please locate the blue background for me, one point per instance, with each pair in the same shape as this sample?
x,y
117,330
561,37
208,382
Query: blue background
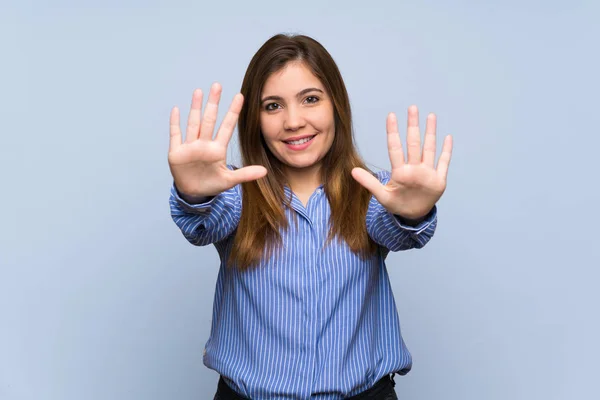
x,y
102,298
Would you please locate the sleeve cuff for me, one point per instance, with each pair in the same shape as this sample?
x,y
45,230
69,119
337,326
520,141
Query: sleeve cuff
x,y
429,219
199,208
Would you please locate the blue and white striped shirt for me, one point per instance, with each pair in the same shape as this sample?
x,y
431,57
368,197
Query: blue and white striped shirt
x,y
309,322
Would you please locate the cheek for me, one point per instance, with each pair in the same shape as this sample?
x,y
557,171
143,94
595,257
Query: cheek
x,y
268,126
326,119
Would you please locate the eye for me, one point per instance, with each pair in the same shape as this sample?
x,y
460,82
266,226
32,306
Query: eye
x,y
271,106
312,99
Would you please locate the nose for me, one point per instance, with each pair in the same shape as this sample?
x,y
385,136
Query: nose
x,y
293,119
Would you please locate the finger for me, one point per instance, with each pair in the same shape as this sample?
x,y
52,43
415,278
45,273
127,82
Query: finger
x,y
429,144
210,112
444,161
394,143
175,131
370,182
193,126
413,136
247,174
231,118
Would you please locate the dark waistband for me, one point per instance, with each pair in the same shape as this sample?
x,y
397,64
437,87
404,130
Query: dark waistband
x,y
382,386
385,383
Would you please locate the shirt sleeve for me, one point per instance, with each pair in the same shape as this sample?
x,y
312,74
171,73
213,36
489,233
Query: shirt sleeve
x,y
388,231
209,222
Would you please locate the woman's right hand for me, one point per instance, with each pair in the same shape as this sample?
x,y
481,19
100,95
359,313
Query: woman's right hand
x,y
199,165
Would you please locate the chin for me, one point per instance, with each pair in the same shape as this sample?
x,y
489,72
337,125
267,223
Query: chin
x,y
302,164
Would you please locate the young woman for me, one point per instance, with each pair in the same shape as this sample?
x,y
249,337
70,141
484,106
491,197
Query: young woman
x,y
303,307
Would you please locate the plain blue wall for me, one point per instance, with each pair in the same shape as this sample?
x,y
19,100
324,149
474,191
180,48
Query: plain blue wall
x,y
101,297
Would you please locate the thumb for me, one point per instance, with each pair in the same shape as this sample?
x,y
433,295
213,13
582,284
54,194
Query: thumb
x,y
247,174
370,182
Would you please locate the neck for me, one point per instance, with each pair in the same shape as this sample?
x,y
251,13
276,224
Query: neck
x,y
304,180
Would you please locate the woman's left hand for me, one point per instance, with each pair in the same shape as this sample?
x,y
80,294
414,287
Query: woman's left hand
x,y
417,184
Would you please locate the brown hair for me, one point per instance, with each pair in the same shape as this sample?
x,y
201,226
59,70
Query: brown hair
x,y
263,200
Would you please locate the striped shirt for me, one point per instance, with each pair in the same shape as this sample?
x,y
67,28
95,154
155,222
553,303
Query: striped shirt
x,y
309,322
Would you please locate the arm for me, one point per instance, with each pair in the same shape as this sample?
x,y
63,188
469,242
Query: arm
x,y
394,233
402,213
208,222
201,174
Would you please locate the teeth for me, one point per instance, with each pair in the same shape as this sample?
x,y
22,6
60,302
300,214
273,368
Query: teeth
x,y
301,141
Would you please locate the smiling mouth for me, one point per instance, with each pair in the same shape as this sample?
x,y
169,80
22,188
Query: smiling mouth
x,y
300,141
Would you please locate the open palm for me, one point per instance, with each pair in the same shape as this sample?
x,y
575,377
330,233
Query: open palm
x,y
416,184
199,164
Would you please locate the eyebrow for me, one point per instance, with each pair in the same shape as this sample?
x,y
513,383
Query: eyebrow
x,y
300,94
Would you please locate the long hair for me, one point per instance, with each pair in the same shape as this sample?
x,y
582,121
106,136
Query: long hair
x,y
263,200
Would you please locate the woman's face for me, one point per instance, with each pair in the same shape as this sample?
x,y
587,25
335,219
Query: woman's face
x,y
296,117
